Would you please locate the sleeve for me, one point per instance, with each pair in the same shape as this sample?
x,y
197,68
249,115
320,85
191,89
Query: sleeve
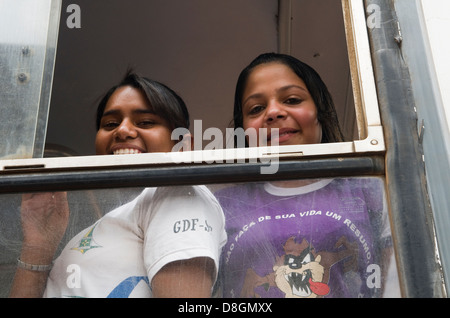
x,y
181,222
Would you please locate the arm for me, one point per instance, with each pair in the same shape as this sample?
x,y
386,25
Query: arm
x,y
44,221
191,278
184,233
27,283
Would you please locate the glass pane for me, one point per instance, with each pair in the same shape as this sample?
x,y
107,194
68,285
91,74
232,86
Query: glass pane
x,y
86,207
114,254
28,36
314,238
307,239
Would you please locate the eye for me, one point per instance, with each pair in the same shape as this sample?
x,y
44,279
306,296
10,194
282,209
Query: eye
x,y
293,101
146,123
109,125
256,110
308,259
292,263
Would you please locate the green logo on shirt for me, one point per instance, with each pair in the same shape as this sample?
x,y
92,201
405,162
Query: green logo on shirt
x,y
86,243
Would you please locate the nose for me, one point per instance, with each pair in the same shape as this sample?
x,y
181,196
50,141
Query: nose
x,y
274,111
125,130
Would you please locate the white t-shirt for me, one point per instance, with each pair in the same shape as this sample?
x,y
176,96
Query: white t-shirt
x,y
120,254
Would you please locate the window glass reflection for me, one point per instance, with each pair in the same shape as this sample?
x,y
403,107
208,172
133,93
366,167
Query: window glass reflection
x,y
307,239
86,207
298,238
162,242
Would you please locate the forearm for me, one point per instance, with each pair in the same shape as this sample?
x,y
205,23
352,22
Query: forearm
x,y
44,220
191,278
31,283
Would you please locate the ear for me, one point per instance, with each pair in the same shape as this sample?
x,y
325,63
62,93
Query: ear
x,y
318,259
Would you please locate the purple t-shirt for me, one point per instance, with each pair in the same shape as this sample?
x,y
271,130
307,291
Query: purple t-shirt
x,y
318,240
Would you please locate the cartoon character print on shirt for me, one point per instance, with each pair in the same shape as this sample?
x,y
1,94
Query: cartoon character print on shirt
x,y
301,272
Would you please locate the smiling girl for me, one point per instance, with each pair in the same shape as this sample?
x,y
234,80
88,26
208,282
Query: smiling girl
x,y
300,238
279,91
136,250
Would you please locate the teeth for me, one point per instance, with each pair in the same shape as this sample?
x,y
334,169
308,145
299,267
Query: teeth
x,y
301,291
126,151
285,133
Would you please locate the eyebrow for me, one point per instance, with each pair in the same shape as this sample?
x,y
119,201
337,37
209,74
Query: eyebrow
x,y
281,89
137,111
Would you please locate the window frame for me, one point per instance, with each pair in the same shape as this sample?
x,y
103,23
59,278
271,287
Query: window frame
x,y
27,174
363,157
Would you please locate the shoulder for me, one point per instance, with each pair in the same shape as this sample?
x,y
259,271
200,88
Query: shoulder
x,y
184,193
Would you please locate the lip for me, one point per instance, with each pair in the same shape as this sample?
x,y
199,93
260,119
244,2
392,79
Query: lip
x,y
120,149
284,134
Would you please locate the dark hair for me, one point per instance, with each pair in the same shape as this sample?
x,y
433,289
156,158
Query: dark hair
x,y
163,100
326,113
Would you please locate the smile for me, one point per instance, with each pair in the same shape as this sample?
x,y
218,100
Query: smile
x,y
126,151
283,135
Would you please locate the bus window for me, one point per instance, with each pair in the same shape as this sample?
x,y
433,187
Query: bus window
x,y
316,238
196,42
199,52
199,49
